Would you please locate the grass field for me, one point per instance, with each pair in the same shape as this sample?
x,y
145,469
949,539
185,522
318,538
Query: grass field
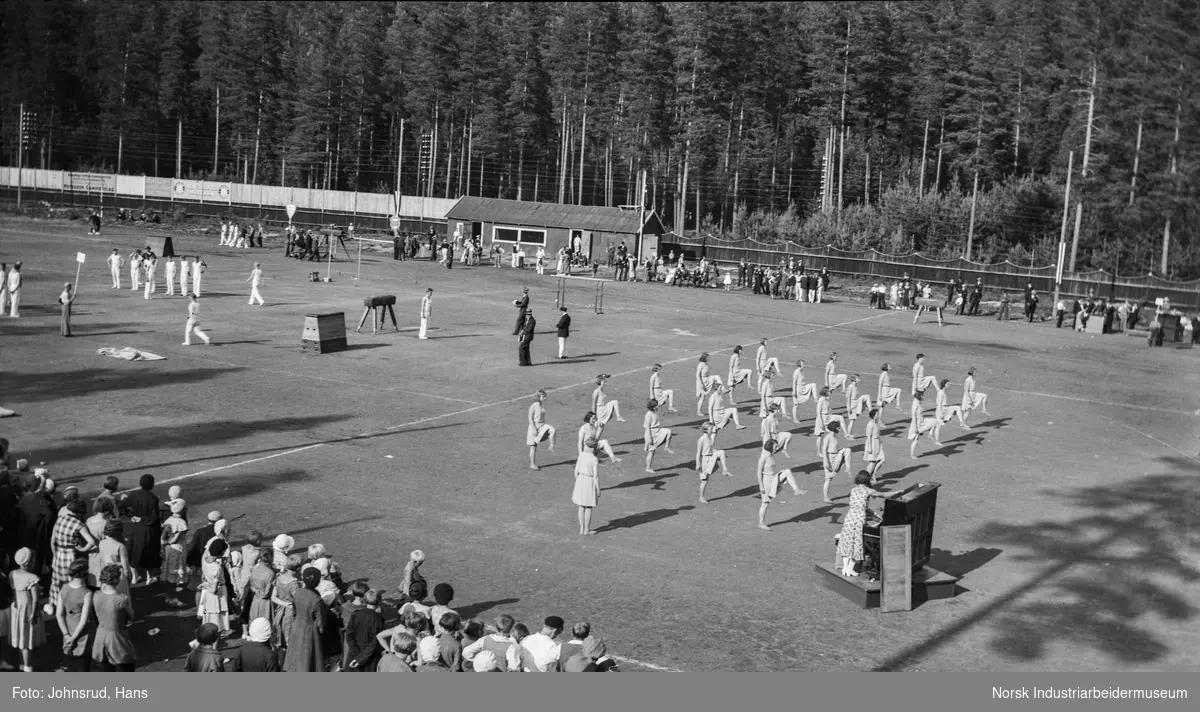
x,y
1071,513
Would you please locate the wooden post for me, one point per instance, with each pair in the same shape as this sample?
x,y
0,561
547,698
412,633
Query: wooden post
x,y
867,182
971,229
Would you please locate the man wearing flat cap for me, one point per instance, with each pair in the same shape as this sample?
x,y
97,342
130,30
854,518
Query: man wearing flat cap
x,y
525,340
203,535
522,306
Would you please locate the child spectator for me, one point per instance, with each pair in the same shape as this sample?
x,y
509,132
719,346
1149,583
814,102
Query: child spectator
x,y
412,572
205,657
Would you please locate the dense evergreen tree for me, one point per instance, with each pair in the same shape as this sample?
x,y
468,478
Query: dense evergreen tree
x,y
730,103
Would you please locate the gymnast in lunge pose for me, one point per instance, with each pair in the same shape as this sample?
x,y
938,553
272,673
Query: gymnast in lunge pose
x,y
655,434
944,411
704,383
834,459
719,414
762,361
605,409
769,430
737,374
538,430
657,392
886,394
768,481
592,429
766,390
921,425
707,457
873,455
833,380
824,416
856,404
972,399
801,392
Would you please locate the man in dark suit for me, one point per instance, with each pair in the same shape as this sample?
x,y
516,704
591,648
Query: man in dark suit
x,y
522,306
564,332
526,339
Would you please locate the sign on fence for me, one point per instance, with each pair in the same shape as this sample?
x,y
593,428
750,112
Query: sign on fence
x,y
202,190
91,183
159,188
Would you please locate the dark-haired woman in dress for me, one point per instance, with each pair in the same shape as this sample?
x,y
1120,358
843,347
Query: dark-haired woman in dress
x,y
112,649
75,620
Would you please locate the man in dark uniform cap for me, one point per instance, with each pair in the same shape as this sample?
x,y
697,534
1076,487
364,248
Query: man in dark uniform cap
x,y
522,306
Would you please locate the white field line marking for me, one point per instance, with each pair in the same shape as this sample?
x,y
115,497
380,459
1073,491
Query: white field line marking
x,y
1160,442
639,663
421,421
1096,402
228,467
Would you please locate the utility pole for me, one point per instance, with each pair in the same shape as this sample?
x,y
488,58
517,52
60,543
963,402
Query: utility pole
x,y
1087,149
1062,235
20,152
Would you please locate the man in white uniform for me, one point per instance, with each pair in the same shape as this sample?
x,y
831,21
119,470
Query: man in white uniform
x,y
198,267
14,291
151,265
255,280
426,311
135,269
193,324
115,263
170,268
185,271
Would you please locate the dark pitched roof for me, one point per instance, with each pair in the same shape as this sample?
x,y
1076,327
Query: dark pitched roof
x,y
527,214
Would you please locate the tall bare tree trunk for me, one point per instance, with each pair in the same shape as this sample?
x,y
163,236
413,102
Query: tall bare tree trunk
x,y
1087,151
937,185
449,158
1137,155
1166,249
924,147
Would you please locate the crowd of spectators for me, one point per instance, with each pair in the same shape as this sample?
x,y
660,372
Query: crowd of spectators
x,y
78,576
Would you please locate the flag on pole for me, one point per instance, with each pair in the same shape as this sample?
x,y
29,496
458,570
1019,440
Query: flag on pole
x,y
80,257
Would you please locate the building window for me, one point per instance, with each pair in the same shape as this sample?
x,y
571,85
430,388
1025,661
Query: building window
x,y
521,235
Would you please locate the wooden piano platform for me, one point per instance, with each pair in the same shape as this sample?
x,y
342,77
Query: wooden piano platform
x,y
928,584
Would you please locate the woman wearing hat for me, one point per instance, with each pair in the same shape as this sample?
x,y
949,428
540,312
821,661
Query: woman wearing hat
x,y
256,654
174,570
212,605
145,534
305,652
25,632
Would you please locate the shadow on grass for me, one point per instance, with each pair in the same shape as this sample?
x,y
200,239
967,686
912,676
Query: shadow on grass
x,y
634,520
1106,573
118,376
167,437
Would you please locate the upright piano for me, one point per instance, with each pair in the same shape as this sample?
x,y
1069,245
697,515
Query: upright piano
x,y
916,507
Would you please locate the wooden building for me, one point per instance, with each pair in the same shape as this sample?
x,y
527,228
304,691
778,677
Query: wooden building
x,y
590,229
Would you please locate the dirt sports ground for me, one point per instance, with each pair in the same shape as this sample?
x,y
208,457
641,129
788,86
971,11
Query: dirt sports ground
x,y
1072,513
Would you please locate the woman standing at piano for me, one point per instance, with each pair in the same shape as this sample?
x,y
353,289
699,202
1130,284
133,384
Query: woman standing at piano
x,y
850,542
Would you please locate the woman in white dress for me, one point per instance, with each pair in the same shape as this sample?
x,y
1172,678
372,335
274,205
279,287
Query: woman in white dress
x,y
605,409
587,486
